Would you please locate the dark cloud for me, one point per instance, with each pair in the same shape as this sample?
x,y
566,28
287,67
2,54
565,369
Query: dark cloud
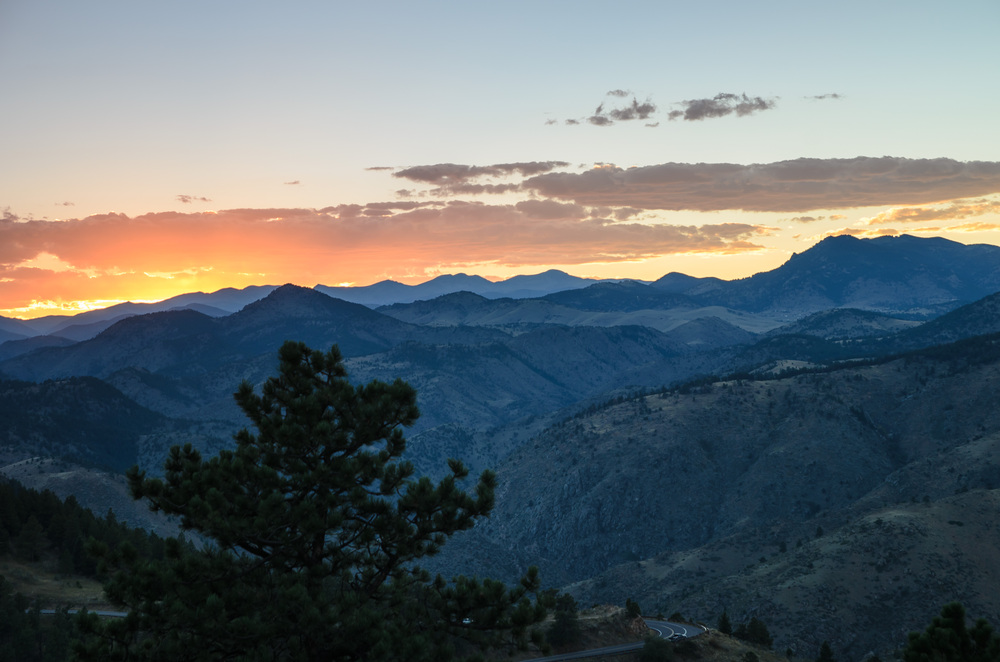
x,y
188,199
378,168
833,95
455,179
294,183
721,105
605,115
9,216
633,111
637,111
600,119
786,186
443,173
66,204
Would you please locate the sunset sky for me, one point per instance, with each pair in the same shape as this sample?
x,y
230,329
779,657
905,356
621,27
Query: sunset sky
x,y
151,149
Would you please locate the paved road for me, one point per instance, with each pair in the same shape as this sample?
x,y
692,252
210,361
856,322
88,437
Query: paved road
x,y
664,628
108,614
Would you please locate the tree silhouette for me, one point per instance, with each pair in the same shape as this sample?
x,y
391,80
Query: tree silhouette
x,y
755,632
724,625
314,527
825,653
30,541
948,639
565,630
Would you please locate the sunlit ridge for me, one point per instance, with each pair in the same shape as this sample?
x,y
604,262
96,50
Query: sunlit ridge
x,y
44,308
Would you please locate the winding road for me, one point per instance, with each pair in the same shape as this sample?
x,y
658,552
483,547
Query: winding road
x,y
666,629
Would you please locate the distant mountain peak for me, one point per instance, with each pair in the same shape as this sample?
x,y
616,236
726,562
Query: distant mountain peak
x,y
459,277
294,301
900,274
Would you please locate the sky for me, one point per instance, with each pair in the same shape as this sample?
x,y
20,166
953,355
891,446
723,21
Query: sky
x,y
152,149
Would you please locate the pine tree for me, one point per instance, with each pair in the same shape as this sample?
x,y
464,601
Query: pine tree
x,y
758,633
724,626
30,541
565,630
755,632
948,639
825,653
316,526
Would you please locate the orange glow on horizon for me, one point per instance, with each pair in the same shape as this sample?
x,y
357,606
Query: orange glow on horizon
x,y
68,267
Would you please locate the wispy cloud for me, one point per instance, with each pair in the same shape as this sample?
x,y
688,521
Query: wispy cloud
x,y
863,233
955,210
293,183
975,227
455,179
633,111
814,219
188,199
821,97
66,204
720,105
799,185
446,173
608,113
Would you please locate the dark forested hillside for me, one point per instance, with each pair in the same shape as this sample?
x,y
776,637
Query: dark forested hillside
x,y
80,418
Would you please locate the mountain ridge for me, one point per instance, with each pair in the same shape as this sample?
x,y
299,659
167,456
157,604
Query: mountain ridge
x,y
903,275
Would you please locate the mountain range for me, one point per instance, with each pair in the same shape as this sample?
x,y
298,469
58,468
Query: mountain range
x,y
681,442
903,276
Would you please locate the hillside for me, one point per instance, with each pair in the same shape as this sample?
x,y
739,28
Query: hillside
x,y
678,496
80,419
845,324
